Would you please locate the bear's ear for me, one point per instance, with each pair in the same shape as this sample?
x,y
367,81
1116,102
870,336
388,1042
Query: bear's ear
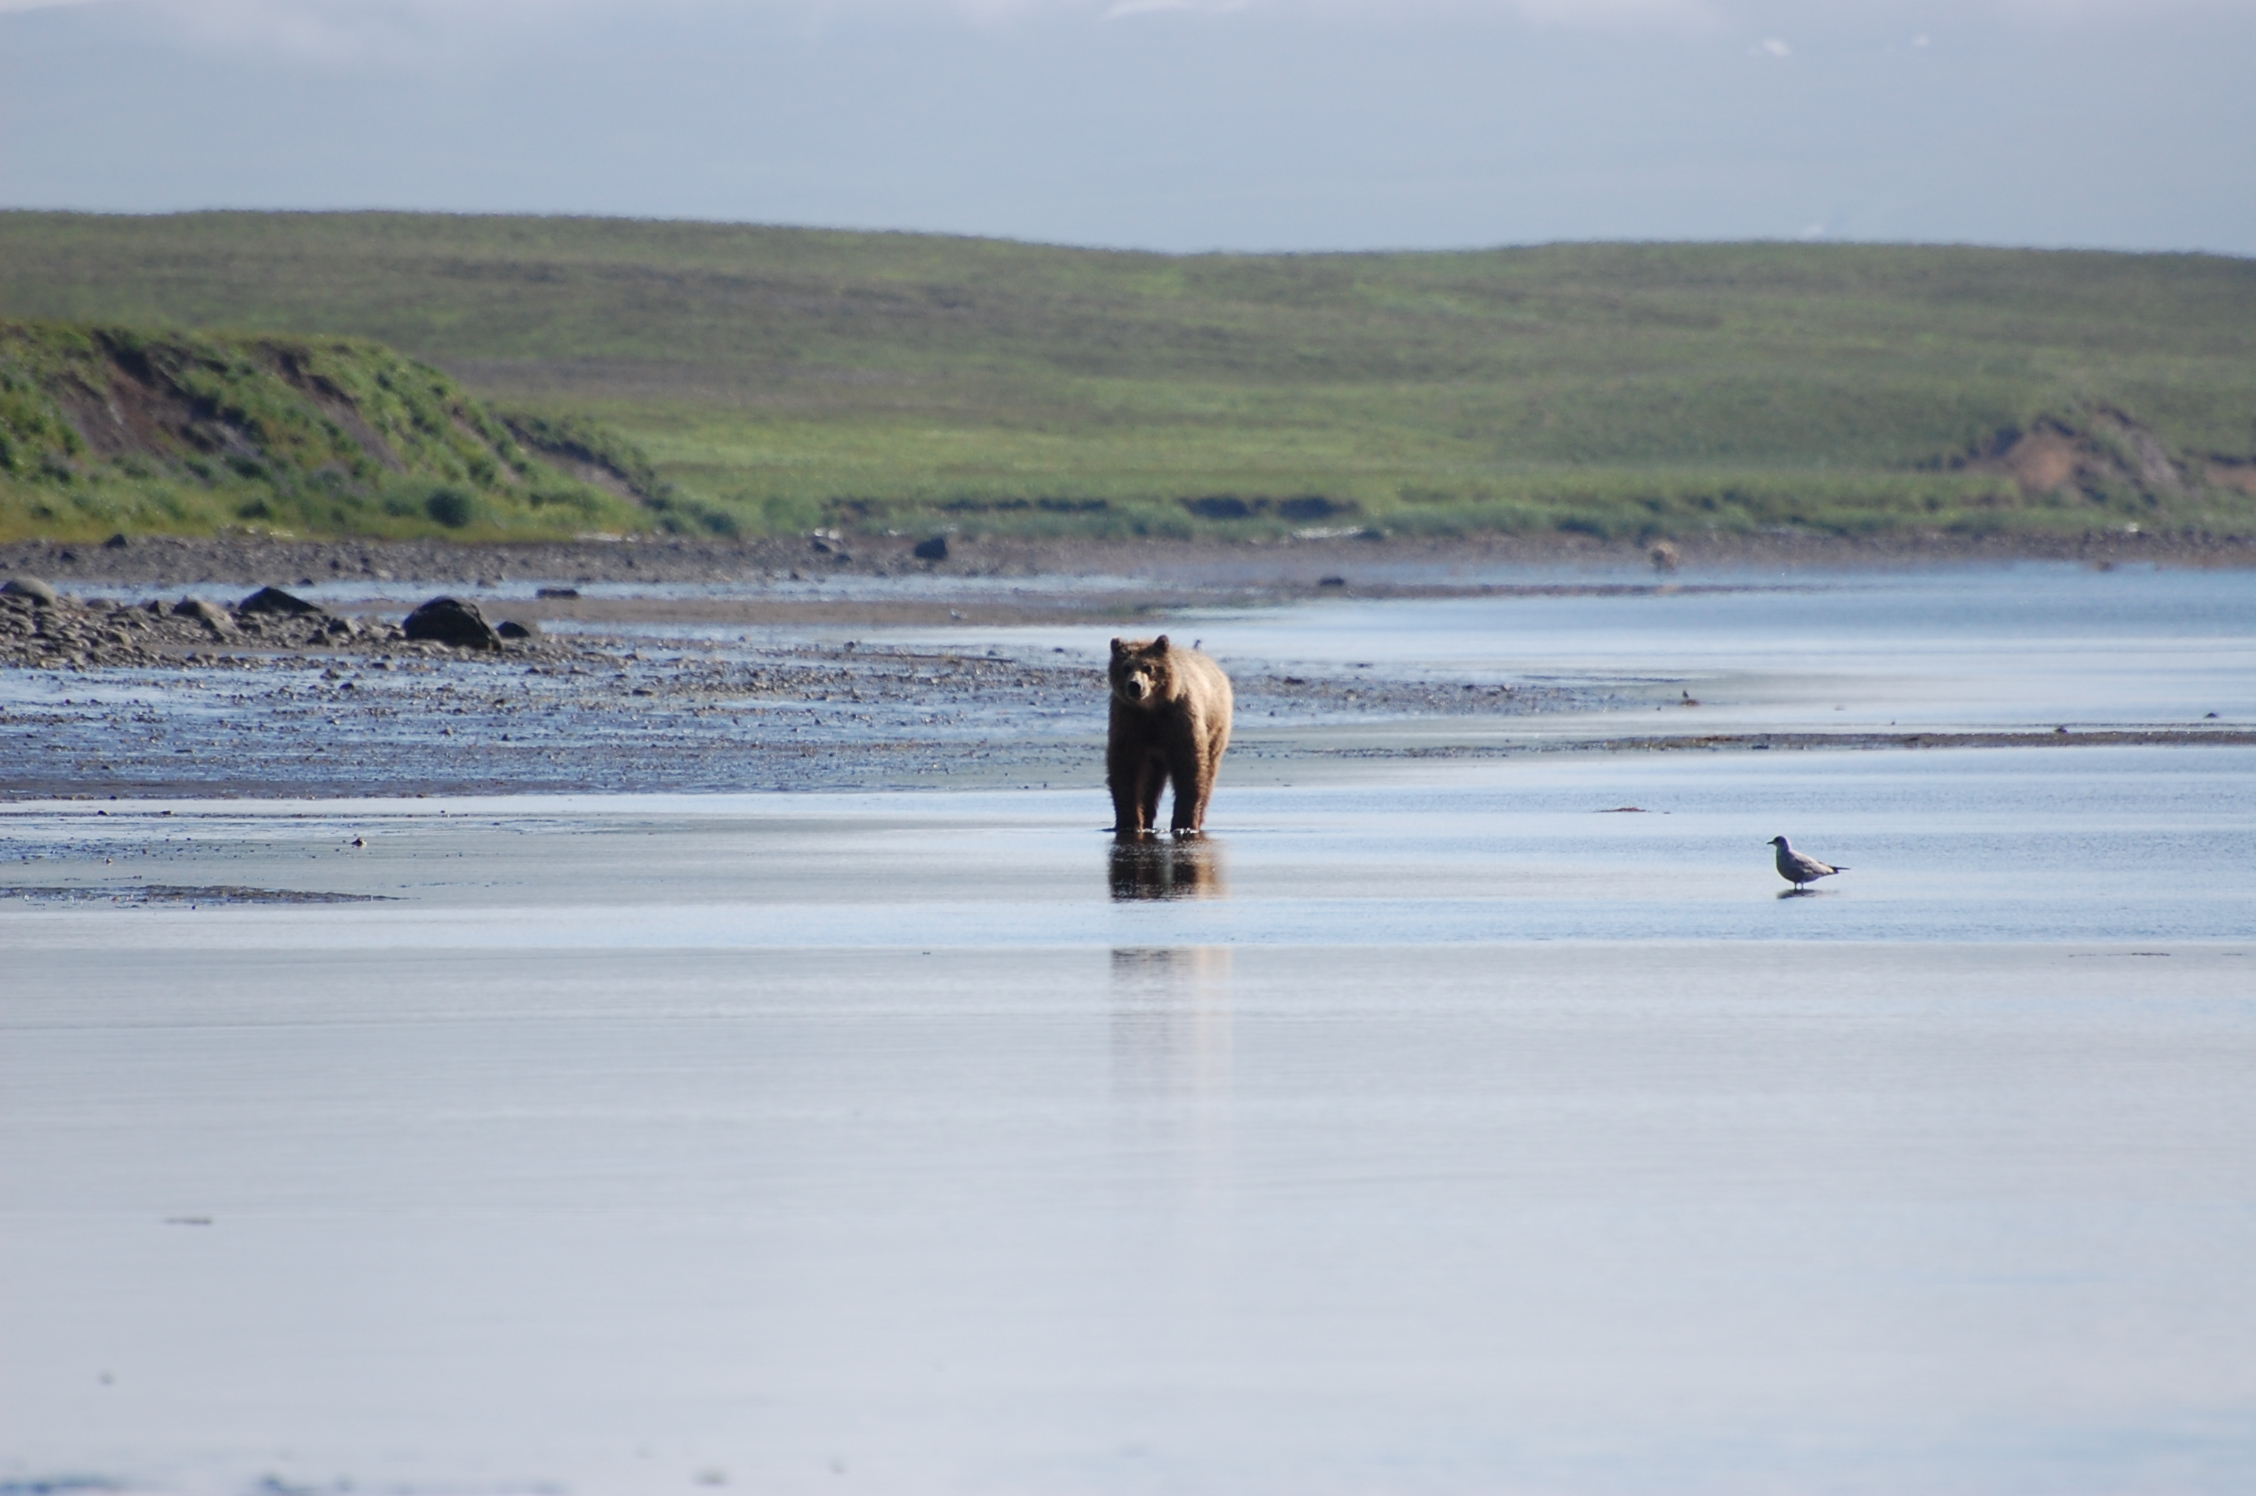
x,y
1119,646
1159,645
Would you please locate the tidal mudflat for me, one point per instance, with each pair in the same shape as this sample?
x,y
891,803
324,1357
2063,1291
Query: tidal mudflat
x,y
1471,1112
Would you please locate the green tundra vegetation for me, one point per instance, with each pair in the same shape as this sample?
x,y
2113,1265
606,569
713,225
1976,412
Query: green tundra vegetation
x,y
743,379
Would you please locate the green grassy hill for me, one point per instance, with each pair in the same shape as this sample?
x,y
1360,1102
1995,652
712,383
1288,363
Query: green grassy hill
x,y
106,429
781,378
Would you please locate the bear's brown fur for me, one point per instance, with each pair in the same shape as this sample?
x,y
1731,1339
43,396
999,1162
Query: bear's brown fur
x,y
1170,721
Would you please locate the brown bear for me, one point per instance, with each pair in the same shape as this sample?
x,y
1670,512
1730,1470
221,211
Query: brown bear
x,y
1170,720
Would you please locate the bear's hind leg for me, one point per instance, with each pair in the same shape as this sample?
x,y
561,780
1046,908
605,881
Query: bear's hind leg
x,y
1191,791
1208,769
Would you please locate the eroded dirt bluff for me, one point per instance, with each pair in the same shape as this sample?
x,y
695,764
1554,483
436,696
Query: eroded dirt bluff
x,y
2099,453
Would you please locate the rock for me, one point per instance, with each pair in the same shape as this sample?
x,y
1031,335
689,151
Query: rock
x,y
510,628
557,592
212,614
116,542
275,600
451,621
935,549
39,592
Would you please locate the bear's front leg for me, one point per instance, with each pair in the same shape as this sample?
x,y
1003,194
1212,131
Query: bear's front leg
x,y
1123,781
1124,766
1147,798
1132,776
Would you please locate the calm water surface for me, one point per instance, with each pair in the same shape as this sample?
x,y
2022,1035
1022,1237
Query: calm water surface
x,y
1434,1127
2012,646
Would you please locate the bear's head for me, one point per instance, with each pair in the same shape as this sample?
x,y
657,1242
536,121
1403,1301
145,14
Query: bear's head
x,y
1143,671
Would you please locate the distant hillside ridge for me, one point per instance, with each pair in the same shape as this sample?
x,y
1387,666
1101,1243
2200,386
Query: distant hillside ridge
x,y
124,429
784,379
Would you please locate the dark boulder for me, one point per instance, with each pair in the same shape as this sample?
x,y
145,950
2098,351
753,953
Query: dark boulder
x,y
935,549
450,620
275,600
510,628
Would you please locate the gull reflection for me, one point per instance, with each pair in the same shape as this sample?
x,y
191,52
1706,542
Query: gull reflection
x,y
1171,1020
1149,868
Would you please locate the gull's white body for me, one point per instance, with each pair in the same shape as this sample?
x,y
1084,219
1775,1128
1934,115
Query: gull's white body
x,y
1797,868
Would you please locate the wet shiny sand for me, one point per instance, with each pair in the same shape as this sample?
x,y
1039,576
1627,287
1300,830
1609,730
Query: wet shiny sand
x,y
1435,1128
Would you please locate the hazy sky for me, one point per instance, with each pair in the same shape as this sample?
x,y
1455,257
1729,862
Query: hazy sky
x,y
1170,124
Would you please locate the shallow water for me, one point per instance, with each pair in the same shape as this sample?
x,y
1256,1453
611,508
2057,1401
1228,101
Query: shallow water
x,y
1434,1126
1441,1131
1967,845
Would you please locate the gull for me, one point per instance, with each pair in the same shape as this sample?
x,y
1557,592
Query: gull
x,y
1798,869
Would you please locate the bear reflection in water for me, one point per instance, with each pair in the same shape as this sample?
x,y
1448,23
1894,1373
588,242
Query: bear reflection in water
x,y
1146,869
1171,1027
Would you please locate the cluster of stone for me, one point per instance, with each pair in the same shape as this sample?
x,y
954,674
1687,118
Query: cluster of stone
x,y
42,627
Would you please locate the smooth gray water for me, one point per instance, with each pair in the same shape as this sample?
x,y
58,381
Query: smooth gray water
x,y
1981,647
1964,845
1436,1126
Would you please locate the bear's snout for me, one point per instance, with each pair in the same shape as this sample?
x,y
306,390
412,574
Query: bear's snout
x,y
1137,687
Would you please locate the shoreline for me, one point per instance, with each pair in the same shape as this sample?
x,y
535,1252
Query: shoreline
x,y
768,682
1424,563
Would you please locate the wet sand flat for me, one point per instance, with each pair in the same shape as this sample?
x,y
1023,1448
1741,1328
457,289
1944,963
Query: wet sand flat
x,y
651,700
1438,1127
